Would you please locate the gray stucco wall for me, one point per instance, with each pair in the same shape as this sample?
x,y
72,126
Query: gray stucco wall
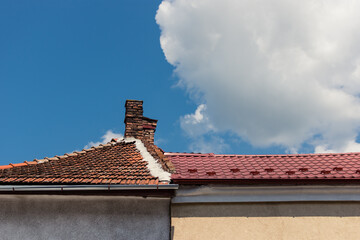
x,y
83,217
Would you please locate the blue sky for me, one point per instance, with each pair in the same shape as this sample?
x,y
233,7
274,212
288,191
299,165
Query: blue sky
x,y
67,67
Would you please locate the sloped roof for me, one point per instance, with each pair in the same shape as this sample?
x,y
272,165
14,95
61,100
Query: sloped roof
x,y
197,168
118,162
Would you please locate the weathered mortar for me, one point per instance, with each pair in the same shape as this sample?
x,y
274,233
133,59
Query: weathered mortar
x,y
136,125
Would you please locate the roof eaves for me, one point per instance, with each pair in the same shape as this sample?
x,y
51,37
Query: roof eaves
x,y
108,187
266,181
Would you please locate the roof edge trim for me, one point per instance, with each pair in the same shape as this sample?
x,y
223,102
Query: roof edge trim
x,y
212,194
110,187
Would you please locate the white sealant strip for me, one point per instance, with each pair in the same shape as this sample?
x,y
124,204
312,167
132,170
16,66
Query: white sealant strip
x,y
155,168
266,194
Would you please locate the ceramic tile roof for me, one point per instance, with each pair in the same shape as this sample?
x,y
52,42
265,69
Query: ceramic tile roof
x,y
272,167
112,163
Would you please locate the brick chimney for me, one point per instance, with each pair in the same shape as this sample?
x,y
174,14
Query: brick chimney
x,y
136,125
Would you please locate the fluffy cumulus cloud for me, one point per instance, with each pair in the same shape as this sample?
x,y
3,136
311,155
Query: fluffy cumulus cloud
x,y
198,127
198,123
105,139
274,72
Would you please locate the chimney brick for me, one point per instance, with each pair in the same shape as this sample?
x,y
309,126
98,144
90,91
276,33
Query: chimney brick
x,y
136,125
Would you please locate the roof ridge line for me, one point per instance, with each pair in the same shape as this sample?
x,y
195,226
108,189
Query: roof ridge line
x,y
153,165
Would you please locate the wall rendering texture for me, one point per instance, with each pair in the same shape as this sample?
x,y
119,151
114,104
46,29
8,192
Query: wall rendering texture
x,y
312,220
83,217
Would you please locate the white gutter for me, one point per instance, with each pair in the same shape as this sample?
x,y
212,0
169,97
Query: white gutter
x,y
109,187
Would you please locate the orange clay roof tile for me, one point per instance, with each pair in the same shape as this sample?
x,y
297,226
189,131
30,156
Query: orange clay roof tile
x,y
115,163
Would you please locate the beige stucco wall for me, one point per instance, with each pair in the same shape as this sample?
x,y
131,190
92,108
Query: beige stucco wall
x,y
266,221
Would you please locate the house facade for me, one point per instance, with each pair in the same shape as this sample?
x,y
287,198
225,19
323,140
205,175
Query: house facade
x,y
299,196
131,189
120,190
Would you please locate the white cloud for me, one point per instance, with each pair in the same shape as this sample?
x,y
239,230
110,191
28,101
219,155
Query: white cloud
x,y
200,130
350,146
198,123
105,139
208,144
273,72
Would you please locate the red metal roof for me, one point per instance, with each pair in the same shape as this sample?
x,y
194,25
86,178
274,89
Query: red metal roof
x,y
216,167
112,163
